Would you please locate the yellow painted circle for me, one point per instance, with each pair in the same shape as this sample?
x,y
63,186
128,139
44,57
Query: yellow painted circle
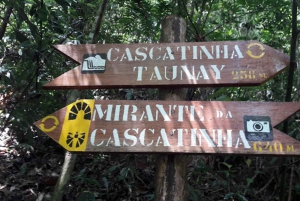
x,y
42,125
255,56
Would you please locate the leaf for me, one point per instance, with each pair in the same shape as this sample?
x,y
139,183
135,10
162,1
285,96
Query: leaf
x,y
248,162
273,160
20,36
227,165
23,169
235,195
217,93
105,182
26,43
228,195
241,197
123,173
243,2
33,10
81,173
92,182
63,3
58,30
86,196
43,14
128,94
223,98
249,181
113,168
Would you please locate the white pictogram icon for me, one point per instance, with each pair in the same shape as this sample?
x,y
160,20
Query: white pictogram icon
x,y
94,63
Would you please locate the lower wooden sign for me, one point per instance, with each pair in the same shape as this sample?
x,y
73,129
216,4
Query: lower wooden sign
x,y
197,127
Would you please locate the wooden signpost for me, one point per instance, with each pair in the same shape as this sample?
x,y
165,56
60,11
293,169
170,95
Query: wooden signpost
x,y
229,63
171,126
199,127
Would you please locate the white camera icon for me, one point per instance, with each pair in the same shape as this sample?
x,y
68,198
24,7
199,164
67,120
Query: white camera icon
x,y
258,126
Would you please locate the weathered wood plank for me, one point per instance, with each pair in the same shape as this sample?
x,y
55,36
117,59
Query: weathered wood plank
x,y
224,63
171,127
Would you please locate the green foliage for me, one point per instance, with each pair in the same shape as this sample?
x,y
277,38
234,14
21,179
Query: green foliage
x,y
86,196
234,196
27,61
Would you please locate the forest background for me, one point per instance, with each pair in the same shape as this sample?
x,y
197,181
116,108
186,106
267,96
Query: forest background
x,y
31,162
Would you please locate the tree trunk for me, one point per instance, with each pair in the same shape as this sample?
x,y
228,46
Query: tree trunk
x,y
171,170
70,158
69,161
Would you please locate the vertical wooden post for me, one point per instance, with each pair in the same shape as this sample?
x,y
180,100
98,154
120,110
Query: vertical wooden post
x,y
171,170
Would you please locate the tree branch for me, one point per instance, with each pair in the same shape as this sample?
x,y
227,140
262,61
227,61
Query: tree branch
x,y
98,20
5,21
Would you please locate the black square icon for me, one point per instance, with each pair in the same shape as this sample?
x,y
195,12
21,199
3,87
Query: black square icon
x,y
258,128
93,63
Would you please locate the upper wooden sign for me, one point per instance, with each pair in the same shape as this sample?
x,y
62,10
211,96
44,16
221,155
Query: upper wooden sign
x,y
172,126
230,63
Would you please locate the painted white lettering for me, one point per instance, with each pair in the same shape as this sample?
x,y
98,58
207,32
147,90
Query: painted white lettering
x,y
220,138
131,137
244,140
214,135
192,112
116,138
142,137
143,55
229,138
156,74
162,112
134,110
168,54
203,72
164,137
140,72
151,53
198,113
127,55
219,114
149,114
225,56
207,138
217,71
195,55
206,52
125,112
174,72
110,52
180,113
117,113
217,51
183,51
187,72
93,137
180,136
229,115
238,52
194,137
101,113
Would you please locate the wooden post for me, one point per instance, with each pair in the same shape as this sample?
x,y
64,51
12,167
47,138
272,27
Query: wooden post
x,y
171,170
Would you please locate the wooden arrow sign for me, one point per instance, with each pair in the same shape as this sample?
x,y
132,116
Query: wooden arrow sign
x,y
230,63
177,127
